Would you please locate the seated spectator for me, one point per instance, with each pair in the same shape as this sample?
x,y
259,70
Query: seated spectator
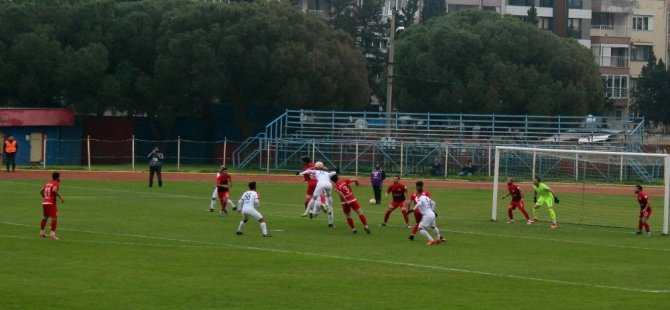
x,y
436,168
467,169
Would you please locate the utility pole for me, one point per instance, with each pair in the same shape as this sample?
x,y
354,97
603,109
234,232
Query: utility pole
x,y
389,71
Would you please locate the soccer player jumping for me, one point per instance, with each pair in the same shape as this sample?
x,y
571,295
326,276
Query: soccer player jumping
x,y
645,211
517,201
544,197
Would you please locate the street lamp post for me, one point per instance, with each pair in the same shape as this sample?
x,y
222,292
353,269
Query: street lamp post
x,y
389,71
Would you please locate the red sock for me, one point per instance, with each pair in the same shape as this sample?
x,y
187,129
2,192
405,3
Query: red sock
x,y
364,219
415,228
386,216
509,213
43,224
646,227
406,216
350,221
525,213
639,225
54,222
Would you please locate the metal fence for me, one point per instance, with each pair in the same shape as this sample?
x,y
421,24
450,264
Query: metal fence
x,y
424,143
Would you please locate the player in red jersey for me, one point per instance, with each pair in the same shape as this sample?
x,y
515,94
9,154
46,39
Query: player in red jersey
x,y
645,211
349,202
311,183
398,191
49,194
223,184
413,200
517,201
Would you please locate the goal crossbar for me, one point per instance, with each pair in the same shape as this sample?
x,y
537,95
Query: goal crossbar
x,y
666,173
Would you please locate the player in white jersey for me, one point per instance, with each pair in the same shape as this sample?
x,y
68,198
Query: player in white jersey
x,y
323,186
427,208
248,203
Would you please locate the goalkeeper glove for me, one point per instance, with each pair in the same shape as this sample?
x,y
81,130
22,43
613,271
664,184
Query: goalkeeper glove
x,y
556,199
297,173
535,199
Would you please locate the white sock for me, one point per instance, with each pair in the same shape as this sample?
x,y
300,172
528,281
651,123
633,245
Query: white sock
x,y
230,203
425,234
316,205
437,232
330,218
212,204
264,228
239,228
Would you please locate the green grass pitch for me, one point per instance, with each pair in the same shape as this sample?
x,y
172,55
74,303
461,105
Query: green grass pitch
x,y
124,245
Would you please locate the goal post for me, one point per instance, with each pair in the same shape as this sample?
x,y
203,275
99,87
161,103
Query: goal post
x,y
595,187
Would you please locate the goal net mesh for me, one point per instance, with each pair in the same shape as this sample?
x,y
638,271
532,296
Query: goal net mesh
x,y
595,188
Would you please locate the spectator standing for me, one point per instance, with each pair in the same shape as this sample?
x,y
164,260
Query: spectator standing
x,y
10,147
377,179
155,165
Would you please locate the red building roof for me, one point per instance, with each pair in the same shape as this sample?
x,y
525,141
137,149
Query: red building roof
x,y
10,117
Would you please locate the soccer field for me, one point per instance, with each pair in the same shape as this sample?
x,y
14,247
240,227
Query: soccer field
x,y
124,245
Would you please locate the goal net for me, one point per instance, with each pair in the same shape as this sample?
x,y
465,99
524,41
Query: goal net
x,y
594,187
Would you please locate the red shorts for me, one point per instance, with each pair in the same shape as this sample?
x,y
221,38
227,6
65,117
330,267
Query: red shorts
x,y
223,195
396,204
347,207
417,215
646,214
50,210
311,186
515,204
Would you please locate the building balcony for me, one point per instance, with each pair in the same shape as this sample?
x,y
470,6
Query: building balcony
x,y
613,6
612,61
609,31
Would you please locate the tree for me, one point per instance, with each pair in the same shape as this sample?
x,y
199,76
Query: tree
x,y
482,62
167,59
652,96
433,8
532,15
406,18
364,23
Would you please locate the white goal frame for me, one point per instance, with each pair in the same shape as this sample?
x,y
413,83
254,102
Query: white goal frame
x,y
534,151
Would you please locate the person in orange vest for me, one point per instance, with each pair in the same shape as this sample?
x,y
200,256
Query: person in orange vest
x,y
10,149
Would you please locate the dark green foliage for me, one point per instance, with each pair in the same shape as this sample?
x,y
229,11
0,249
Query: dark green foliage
x,y
364,23
174,58
433,8
532,15
482,62
652,94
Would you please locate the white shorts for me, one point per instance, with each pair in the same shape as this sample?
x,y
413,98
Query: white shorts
x,y
251,212
321,188
427,221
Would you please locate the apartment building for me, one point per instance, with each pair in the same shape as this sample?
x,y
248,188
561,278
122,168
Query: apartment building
x,y
622,34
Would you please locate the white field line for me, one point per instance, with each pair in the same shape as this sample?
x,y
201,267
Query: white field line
x,y
202,244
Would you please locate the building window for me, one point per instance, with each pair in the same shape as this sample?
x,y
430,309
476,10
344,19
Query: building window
x,y
616,86
642,23
546,23
641,52
576,4
574,28
546,3
520,2
603,20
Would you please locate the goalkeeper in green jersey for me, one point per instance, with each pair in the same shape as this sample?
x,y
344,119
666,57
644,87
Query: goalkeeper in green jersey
x,y
544,196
